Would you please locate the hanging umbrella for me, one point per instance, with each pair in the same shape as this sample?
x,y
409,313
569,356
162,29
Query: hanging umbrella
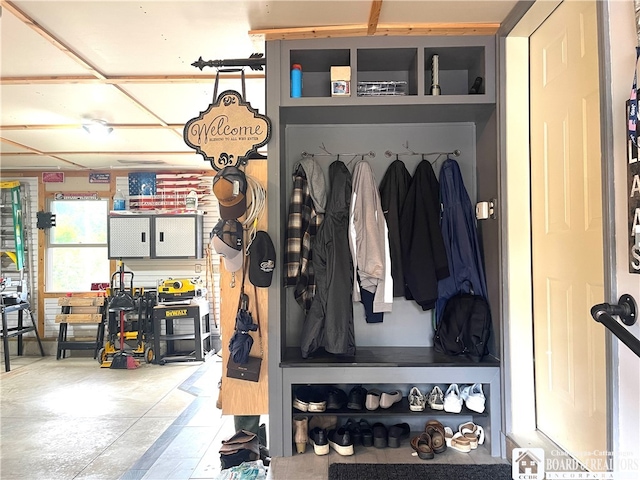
x,y
241,342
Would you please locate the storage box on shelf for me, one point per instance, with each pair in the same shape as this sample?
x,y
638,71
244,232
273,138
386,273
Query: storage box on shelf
x,y
403,356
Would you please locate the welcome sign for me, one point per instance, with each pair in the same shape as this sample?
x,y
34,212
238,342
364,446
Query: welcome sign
x,y
228,131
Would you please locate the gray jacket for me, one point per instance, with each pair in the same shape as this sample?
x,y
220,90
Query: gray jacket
x,y
329,322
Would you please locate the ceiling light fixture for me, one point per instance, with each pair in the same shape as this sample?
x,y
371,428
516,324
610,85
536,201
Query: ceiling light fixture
x,y
97,128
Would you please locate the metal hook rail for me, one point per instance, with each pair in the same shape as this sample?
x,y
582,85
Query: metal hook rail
x,y
389,153
367,154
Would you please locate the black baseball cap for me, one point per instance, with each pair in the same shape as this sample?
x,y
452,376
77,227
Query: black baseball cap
x,y
262,260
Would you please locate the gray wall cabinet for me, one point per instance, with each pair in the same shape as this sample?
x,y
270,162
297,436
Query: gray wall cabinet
x,y
398,353
155,236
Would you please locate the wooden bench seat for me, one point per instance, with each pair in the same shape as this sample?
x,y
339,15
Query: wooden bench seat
x,y
80,311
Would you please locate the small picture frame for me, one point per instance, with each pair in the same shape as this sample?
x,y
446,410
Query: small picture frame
x,y
340,88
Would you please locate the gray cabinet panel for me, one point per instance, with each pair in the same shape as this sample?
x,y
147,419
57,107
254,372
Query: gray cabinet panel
x,y
178,237
129,237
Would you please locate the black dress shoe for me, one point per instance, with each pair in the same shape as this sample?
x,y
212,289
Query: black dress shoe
x,y
397,433
319,440
336,399
354,430
366,432
340,441
379,435
357,396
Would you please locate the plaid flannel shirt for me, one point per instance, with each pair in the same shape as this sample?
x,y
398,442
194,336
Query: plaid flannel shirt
x,y
302,226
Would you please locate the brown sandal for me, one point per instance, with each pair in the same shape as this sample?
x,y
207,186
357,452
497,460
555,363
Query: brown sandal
x,y
422,445
435,430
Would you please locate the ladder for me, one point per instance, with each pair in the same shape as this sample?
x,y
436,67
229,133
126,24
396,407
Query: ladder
x,y
15,240
15,266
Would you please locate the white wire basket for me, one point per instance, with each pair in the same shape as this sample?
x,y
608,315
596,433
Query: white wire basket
x,y
375,88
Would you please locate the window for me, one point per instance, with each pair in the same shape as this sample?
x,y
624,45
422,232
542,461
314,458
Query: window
x,y
77,247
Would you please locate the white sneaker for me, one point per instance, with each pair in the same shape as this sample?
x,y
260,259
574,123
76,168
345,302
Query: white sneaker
x,y
436,399
417,400
473,397
452,400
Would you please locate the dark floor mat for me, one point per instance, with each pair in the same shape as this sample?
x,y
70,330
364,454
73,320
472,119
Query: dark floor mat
x,y
391,471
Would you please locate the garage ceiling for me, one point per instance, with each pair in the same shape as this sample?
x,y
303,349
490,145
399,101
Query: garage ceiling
x,y
128,63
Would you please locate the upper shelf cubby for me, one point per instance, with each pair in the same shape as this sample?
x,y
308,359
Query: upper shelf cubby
x,y
316,68
458,68
390,70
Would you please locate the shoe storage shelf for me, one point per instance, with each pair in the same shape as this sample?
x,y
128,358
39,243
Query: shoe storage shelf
x,y
397,353
386,375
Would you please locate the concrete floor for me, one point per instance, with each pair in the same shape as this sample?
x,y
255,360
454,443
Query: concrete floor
x,y
71,419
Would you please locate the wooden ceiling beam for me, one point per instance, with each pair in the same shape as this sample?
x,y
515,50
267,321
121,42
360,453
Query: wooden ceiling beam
x,y
374,16
49,37
31,23
77,126
32,151
122,80
97,153
383,29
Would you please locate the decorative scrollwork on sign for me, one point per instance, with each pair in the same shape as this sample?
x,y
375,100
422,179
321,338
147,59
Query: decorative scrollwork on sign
x,y
228,131
224,160
228,100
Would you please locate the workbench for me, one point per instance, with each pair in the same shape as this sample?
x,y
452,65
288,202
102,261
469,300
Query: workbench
x,y
184,323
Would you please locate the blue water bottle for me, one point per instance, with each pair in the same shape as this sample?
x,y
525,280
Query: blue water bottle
x,y
296,80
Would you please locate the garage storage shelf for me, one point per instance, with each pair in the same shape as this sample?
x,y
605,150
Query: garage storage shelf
x,y
404,357
461,61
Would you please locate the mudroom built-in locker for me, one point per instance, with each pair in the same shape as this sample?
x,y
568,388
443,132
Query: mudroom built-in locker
x,y
406,123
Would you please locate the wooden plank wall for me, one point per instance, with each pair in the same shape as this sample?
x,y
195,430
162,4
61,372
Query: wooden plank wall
x,y
240,397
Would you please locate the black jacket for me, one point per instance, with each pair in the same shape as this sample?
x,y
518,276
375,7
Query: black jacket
x,y
424,254
393,191
329,323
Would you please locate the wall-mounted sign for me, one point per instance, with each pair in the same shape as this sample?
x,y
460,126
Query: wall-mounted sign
x,y
99,177
52,177
75,196
633,189
228,131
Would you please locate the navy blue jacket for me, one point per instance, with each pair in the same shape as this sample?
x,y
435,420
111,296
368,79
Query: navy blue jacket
x,y
458,224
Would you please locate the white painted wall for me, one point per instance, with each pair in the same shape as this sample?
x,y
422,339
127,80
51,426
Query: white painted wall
x,y
623,41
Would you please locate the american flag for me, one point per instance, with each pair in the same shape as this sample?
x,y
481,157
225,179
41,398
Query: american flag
x,y
167,191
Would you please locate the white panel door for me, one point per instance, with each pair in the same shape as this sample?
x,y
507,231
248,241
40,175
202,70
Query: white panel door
x,y
568,276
